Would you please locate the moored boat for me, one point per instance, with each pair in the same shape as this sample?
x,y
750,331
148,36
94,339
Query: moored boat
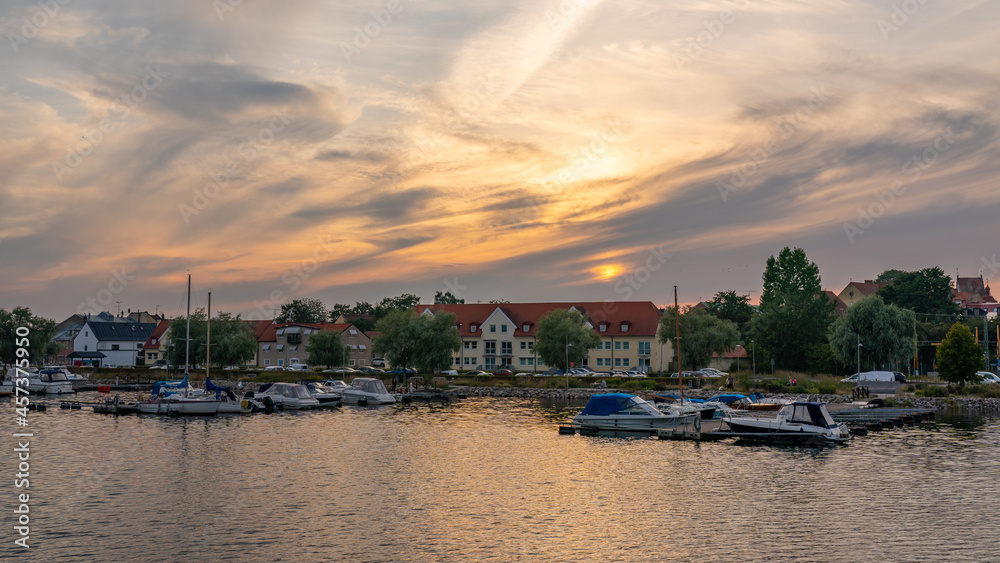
x,y
291,396
801,422
367,391
621,411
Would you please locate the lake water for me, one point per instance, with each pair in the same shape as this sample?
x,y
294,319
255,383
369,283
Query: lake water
x,y
491,480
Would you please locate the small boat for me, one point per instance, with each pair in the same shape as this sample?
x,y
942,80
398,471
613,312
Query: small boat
x,y
291,396
368,391
228,402
49,381
335,385
327,397
621,411
799,422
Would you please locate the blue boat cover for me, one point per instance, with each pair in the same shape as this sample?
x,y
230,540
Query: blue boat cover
x,y
728,398
609,403
169,385
209,386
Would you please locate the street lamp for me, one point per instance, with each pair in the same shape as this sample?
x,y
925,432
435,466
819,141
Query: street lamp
x,y
738,360
567,361
753,349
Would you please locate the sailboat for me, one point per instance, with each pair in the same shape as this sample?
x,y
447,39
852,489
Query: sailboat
x,y
177,397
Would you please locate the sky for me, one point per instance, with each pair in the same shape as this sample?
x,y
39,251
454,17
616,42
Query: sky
x,y
522,150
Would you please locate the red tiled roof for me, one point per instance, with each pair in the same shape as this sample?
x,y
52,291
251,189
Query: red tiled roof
x,y
153,342
740,352
642,316
867,287
270,332
839,306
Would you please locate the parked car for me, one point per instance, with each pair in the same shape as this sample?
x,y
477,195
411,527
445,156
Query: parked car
x,y
870,376
987,377
899,376
635,373
369,369
688,374
523,374
475,372
504,371
297,367
340,370
449,372
274,368
712,372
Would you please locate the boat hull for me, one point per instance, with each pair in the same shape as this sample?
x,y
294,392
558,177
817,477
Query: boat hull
x,y
631,423
354,397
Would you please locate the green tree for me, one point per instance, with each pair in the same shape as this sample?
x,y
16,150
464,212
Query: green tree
x,y
702,334
446,298
233,341
425,342
404,302
730,306
325,348
339,309
886,332
41,331
307,310
889,276
959,356
563,336
926,291
499,301
178,334
794,311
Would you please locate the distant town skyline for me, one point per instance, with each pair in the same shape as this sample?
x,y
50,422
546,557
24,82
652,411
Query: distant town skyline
x,y
565,150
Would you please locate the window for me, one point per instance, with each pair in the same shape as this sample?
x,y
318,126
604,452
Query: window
x,y
524,344
525,328
524,361
491,348
472,327
281,362
493,328
267,362
84,347
507,348
362,346
490,363
114,346
267,347
643,348
470,361
600,362
349,362
618,345
280,348
87,332
457,362
624,327
503,328
353,332
618,362
625,345
506,362
644,362
471,344
602,327
294,337
293,348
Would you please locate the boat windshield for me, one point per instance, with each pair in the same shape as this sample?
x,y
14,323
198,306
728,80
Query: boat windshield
x,y
369,385
54,376
293,391
808,413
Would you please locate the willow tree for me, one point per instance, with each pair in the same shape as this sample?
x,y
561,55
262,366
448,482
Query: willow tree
x,y
702,334
886,333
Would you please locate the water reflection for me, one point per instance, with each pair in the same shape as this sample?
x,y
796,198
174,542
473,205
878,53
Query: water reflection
x,y
492,480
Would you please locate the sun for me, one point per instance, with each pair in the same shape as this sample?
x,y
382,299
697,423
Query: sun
x,y
607,272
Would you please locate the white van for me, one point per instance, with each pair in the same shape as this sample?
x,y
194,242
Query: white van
x,y
873,376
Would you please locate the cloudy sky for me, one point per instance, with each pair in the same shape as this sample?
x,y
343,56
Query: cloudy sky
x,y
524,150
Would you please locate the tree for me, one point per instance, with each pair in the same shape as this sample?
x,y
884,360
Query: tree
x,y
303,311
563,336
325,348
959,356
233,342
732,307
339,309
41,331
889,276
926,291
702,334
426,342
886,332
499,301
794,311
404,302
446,298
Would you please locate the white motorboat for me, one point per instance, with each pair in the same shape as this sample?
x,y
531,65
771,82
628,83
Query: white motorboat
x,y
49,381
335,385
326,396
367,391
621,411
292,396
69,375
801,422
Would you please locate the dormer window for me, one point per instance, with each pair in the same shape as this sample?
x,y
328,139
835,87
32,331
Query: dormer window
x,y
624,328
472,327
602,327
524,328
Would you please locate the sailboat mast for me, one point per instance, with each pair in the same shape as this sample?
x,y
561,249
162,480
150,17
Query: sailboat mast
x,y
187,341
208,337
677,339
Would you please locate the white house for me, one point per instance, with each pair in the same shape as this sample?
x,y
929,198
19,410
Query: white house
x,y
111,343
